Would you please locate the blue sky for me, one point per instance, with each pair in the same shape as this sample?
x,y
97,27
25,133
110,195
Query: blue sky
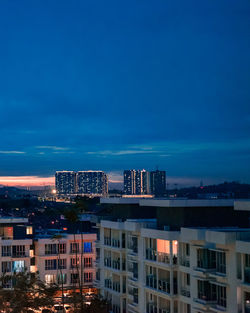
x,y
112,85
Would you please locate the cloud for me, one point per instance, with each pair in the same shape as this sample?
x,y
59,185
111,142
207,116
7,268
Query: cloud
x,y
55,148
26,181
122,152
11,152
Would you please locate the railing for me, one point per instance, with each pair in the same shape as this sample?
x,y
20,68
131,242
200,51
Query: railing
x,y
185,292
184,261
116,308
116,264
164,285
151,308
151,254
116,243
107,262
151,281
247,275
166,310
108,283
107,241
19,255
163,257
116,286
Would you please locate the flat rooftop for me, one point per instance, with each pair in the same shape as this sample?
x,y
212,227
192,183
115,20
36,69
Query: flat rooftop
x,y
13,220
171,202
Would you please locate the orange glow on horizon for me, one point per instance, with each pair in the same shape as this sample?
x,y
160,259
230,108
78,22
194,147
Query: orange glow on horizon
x,y
26,181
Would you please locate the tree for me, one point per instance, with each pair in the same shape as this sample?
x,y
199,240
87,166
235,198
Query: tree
x,y
58,237
28,292
97,304
72,216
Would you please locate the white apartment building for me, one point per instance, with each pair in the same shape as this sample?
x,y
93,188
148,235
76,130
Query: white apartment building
x,y
68,258
16,246
191,270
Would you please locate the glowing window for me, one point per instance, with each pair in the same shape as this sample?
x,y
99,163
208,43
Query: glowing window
x,y
18,266
29,230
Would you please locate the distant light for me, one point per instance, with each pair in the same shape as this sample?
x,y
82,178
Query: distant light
x,y
65,228
53,191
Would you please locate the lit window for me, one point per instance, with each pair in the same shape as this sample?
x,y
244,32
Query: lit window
x,y
87,247
50,279
29,230
18,266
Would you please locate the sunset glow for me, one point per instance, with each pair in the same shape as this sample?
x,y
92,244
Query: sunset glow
x,y
26,181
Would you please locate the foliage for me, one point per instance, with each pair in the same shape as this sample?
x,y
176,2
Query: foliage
x,y
28,293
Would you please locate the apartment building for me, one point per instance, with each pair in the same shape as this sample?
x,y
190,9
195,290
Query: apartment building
x,y
16,246
66,258
174,270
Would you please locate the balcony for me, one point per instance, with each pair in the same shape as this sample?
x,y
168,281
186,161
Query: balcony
x,y
108,283
185,292
151,281
161,257
247,275
107,241
107,262
151,254
184,261
116,308
164,285
116,286
151,307
116,264
20,255
115,243
165,310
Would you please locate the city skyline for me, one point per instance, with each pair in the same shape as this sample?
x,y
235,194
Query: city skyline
x,y
134,85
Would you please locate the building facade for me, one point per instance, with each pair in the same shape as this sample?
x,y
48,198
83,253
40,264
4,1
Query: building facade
x,y
91,182
68,258
190,270
81,183
142,182
136,182
158,183
65,182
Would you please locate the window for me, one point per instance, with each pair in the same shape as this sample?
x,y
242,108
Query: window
x,y
62,264
221,262
62,248
50,249
6,250
62,278
222,296
74,262
87,262
188,279
74,278
74,247
18,251
18,266
50,278
187,249
88,277
29,230
6,267
50,264
87,247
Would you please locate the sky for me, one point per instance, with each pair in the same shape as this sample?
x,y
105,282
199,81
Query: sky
x,y
113,85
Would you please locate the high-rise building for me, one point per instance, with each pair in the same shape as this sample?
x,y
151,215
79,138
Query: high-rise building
x,y
65,182
184,269
92,182
158,183
136,182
